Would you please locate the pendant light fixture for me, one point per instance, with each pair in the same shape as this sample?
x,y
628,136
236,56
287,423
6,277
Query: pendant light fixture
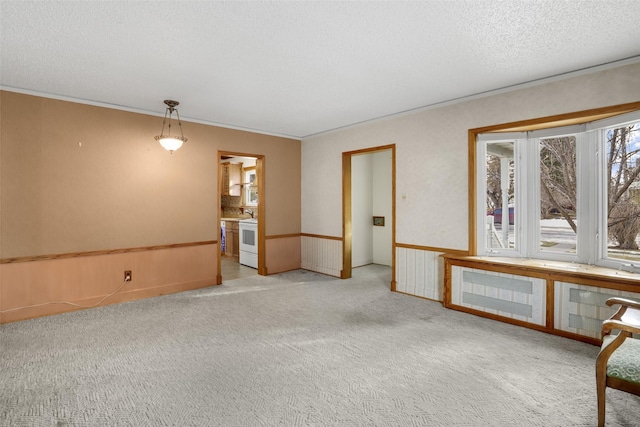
x,y
171,142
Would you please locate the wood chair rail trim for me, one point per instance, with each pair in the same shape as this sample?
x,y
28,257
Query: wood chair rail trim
x,y
104,252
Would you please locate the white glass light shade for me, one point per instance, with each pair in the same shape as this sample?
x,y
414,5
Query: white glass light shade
x,y
171,143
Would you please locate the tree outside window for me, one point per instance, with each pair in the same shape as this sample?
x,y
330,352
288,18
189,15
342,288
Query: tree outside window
x,y
582,182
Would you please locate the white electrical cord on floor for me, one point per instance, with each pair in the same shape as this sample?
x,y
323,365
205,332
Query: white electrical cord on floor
x,y
67,302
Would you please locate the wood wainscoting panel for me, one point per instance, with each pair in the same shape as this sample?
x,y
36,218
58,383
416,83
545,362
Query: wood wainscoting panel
x,y
322,254
33,289
420,273
283,253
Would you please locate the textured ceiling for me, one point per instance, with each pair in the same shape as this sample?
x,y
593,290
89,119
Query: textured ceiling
x,y
301,68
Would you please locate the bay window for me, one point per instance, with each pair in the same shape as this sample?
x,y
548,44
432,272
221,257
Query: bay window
x,y
569,193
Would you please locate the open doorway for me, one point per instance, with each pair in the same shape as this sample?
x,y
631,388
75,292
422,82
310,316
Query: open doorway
x,y
240,215
368,189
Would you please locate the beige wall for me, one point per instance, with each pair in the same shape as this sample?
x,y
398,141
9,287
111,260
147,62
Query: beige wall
x,y
432,194
77,178
431,154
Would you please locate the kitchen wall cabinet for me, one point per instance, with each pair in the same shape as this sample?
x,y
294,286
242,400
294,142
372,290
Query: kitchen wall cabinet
x,y
231,179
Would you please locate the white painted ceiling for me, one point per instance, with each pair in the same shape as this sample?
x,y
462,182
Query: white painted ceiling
x,y
300,68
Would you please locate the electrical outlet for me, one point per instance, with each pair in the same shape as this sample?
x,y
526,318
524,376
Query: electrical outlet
x,y
128,276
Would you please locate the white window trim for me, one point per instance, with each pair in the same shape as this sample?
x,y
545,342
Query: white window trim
x,y
481,150
591,192
533,191
598,130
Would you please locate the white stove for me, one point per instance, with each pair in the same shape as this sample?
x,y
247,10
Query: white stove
x,y
249,242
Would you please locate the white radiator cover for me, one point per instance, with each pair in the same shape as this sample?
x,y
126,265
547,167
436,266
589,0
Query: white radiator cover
x,y
507,295
580,309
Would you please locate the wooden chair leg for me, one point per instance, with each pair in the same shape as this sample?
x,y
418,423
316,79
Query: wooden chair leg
x,y
601,407
601,388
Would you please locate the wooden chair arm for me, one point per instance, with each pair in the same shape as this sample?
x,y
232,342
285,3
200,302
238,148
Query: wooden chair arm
x,y
609,325
624,302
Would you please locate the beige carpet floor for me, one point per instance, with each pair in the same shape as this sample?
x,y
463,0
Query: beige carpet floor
x,y
295,349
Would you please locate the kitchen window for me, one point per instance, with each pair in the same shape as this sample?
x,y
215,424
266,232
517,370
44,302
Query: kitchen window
x,y
250,187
